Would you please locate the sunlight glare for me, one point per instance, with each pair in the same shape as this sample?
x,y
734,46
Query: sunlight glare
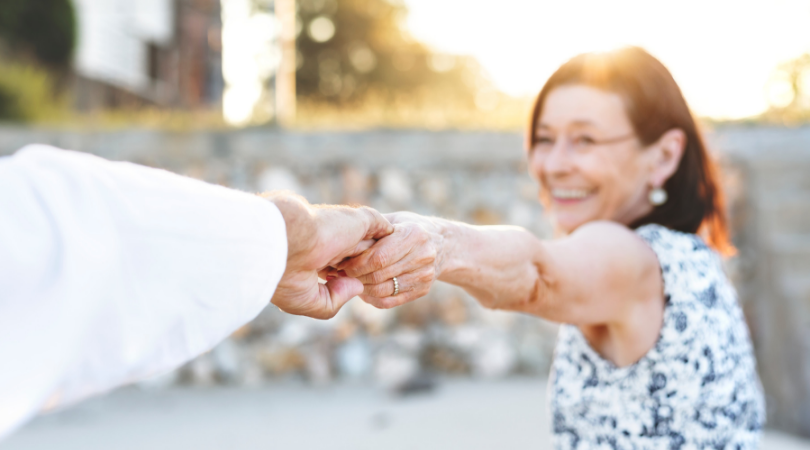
x,y
321,29
239,101
722,53
248,58
780,92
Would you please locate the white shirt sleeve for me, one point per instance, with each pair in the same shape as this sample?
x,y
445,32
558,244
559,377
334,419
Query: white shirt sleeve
x,y
112,272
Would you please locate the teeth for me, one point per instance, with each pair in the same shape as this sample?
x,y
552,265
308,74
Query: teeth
x,y
567,194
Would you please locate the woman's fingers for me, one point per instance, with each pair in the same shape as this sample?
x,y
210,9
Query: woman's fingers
x,y
409,253
387,251
407,283
390,302
412,286
421,258
384,289
406,265
358,249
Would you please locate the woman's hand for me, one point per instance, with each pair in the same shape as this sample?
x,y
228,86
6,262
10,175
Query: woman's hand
x,y
413,253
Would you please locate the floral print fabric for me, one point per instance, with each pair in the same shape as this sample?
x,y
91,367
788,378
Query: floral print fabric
x,y
697,388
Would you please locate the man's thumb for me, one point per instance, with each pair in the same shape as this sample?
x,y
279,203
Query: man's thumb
x,y
342,289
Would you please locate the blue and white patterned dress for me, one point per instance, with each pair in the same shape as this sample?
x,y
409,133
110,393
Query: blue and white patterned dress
x,y
696,389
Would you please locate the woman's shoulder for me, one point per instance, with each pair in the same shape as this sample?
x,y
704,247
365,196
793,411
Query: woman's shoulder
x,y
672,245
659,235
687,263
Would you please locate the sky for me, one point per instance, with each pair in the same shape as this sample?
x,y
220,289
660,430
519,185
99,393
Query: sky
x,y
723,53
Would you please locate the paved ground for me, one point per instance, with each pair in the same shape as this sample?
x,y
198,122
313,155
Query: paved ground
x,y
459,414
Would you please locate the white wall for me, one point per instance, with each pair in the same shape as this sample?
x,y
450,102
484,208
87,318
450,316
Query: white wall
x,y
113,37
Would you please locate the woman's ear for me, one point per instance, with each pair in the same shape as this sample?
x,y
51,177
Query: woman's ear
x,y
667,153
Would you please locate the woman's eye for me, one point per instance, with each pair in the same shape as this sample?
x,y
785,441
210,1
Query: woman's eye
x,y
543,144
584,140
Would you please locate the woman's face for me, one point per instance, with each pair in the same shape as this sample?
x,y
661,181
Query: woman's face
x,y
590,164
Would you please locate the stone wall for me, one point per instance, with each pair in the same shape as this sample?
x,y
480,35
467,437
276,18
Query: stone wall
x,y
479,178
474,177
770,170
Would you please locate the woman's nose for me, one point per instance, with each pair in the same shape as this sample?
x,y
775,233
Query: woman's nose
x,y
555,161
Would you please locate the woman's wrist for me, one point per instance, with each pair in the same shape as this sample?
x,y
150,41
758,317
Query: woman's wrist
x,y
447,257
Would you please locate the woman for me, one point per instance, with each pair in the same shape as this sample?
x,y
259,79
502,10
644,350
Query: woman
x,y
653,351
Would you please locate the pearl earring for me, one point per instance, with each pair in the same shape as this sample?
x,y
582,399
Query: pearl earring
x,y
658,196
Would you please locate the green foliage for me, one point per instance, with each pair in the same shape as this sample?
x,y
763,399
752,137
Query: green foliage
x,y
42,30
369,54
27,94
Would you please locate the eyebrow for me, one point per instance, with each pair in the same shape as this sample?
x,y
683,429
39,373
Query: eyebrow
x,y
576,122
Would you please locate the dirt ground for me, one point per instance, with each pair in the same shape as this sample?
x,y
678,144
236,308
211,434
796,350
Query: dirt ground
x,y
465,414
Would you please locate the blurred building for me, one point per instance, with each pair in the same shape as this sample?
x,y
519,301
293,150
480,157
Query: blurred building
x,y
164,53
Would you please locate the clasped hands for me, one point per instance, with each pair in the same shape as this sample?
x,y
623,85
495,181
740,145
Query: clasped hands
x,y
358,251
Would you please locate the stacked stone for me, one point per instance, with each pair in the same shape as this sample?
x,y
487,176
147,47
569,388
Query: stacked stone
x,y
477,178
445,333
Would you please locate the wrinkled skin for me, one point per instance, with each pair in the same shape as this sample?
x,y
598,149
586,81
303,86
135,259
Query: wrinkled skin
x,y
410,253
319,237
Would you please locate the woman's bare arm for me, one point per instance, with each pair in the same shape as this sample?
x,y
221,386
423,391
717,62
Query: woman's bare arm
x,y
594,276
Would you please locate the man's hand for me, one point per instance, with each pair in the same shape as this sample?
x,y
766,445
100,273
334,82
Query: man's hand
x,y
319,237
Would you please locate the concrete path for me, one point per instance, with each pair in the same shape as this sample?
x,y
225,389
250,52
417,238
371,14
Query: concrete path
x,y
459,414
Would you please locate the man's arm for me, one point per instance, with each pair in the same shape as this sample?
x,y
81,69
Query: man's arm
x,y
113,272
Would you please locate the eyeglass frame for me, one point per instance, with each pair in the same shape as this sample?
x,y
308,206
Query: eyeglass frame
x,y
595,143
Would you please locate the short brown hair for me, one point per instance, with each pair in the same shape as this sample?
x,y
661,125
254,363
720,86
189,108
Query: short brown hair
x,y
654,104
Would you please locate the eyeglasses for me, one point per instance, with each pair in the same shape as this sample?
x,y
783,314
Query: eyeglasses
x,y
578,143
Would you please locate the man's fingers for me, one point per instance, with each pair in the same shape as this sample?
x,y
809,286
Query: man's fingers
x,y
307,297
379,227
335,293
326,273
385,252
360,247
356,250
363,246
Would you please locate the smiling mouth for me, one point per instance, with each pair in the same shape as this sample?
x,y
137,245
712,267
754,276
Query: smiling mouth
x,y
568,195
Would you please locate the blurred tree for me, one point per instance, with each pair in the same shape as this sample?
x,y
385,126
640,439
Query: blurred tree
x,y
42,30
349,50
27,94
789,92
38,38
